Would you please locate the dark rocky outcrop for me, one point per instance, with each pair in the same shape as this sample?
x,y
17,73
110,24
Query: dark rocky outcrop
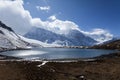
x,y
111,45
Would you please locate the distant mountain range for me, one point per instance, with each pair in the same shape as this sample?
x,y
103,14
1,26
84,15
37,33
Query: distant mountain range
x,y
72,38
41,37
9,40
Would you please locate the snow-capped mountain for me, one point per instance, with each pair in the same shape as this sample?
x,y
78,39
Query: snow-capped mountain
x,y
72,38
79,39
9,39
44,35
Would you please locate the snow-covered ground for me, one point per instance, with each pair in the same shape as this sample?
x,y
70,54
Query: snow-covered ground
x,y
32,41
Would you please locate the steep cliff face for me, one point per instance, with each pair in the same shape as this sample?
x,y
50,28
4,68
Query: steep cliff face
x,y
9,39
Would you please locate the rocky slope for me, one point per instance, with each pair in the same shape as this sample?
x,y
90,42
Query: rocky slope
x,y
109,45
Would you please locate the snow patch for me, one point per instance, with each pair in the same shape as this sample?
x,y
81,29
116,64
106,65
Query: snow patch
x,y
32,41
43,63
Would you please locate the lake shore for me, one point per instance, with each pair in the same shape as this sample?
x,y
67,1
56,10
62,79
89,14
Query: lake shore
x,y
105,67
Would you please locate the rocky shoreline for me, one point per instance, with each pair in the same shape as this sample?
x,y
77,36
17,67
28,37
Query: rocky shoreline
x,y
105,67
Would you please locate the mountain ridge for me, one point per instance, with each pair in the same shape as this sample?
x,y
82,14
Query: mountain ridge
x,y
115,44
73,38
9,40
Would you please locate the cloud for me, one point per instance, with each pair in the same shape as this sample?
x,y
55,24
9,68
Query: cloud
x,y
56,25
99,35
53,17
14,15
43,8
62,27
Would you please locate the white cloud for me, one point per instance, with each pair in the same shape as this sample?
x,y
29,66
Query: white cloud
x,y
99,35
53,17
62,27
14,15
43,8
56,25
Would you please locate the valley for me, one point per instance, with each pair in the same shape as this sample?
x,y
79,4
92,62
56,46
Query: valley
x,y
101,68
59,40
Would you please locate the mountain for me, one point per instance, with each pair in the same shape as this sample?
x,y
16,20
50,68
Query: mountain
x,y
79,39
45,36
10,40
113,39
115,44
72,38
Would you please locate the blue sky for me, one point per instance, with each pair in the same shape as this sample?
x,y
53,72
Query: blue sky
x,y
88,14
